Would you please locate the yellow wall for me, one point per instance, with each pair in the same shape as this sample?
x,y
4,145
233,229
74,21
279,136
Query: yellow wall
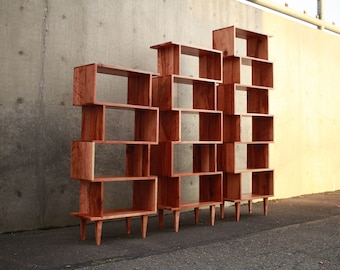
x,y
306,105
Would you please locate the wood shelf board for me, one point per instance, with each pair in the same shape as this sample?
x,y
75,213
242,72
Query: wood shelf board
x,y
108,178
236,171
243,33
249,58
198,142
186,49
248,197
122,142
120,71
189,205
182,79
180,174
114,214
121,106
251,87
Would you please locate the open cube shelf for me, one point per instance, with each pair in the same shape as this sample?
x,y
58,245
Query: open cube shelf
x,y
106,122
240,157
86,156
168,92
134,89
190,126
248,128
171,159
91,206
261,185
242,99
239,42
209,191
248,71
171,60
92,199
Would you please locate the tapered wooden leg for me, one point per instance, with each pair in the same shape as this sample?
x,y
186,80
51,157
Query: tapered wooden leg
x,y
160,218
196,215
265,206
144,225
128,225
212,215
250,206
222,210
98,231
176,220
82,229
238,210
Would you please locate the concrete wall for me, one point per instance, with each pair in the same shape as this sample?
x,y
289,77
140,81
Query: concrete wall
x,y
41,42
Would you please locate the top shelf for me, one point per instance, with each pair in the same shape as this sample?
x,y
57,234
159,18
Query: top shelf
x,y
116,85
175,58
233,41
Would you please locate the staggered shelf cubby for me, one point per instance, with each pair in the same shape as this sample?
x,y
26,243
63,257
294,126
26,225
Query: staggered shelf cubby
x,y
98,143
199,115
243,97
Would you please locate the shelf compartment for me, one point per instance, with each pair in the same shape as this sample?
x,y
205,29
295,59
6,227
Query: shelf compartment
x,y
143,202
248,128
262,128
248,71
191,126
261,185
170,91
86,156
94,83
171,195
174,58
239,157
105,122
230,40
242,99
176,159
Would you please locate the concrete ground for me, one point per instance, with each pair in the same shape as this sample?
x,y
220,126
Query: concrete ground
x,y
298,233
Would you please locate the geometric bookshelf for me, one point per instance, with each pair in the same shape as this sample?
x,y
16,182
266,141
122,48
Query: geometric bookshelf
x,y
194,128
99,142
248,127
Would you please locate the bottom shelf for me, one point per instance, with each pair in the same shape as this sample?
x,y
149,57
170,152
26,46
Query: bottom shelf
x,y
187,205
109,215
114,214
246,197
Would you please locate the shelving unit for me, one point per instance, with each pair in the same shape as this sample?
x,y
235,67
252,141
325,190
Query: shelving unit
x,y
99,141
199,116
243,97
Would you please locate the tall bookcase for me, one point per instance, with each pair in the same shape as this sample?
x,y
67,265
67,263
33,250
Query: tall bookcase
x,y
248,127
199,117
93,157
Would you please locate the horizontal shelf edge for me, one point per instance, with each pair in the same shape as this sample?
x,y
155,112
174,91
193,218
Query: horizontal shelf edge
x,y
119,142
109,178
113,214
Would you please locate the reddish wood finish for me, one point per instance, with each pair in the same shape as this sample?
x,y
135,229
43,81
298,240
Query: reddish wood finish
x,y
254,105
256,43
94,140
169,60
85,84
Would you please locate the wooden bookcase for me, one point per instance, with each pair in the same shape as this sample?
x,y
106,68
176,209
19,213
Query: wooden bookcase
x,y
199,116
248,127
98,143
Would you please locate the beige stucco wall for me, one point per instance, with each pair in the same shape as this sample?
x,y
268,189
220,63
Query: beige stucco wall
x,y
305,104
42,40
